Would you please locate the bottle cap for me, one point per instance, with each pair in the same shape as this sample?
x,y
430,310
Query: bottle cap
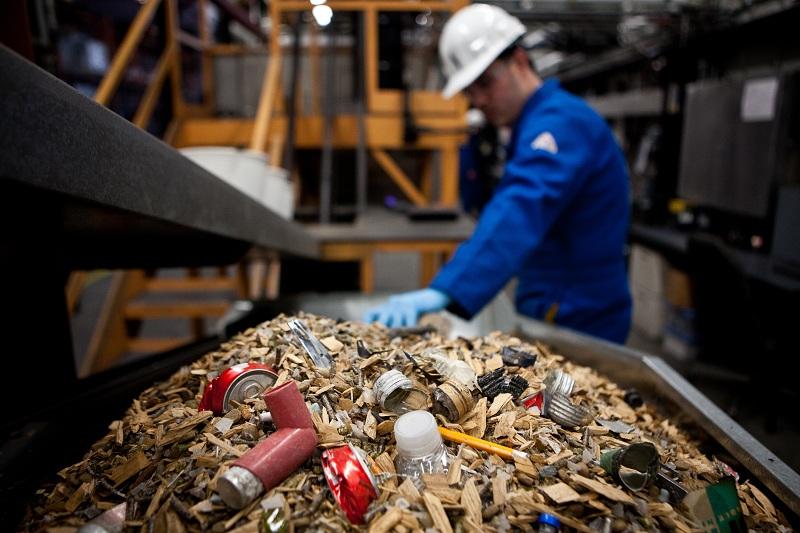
x,y
550,520
417,434
390,388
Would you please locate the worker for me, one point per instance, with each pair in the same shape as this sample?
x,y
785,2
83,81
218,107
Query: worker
x,y
558,218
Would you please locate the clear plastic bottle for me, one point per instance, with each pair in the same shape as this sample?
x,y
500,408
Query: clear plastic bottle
x,y
420,449
454,369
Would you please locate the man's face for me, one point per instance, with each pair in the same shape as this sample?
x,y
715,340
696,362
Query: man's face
x,y
497,92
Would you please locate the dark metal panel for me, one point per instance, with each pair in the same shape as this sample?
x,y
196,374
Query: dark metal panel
x,y
56,140
726,162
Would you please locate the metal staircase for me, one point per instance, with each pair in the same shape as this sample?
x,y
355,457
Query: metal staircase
x,y
137,296
380,123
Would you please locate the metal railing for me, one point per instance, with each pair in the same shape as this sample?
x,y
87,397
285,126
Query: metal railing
x,y
169,65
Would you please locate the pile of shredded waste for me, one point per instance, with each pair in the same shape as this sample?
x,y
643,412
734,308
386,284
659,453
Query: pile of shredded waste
x,y
163,460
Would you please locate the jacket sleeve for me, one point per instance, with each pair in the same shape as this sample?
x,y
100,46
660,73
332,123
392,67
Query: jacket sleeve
x,y
539,182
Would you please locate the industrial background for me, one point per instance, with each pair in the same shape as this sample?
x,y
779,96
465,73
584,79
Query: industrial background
x,y
262,156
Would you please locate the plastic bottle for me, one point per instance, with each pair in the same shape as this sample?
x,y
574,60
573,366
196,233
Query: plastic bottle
x,y
454,369
420,449
548,524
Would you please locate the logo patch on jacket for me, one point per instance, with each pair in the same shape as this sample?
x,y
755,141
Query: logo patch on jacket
x,y
545,141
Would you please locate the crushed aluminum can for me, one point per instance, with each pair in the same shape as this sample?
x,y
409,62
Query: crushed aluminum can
x,y
362,350
726,470
452,399
516,357
635,466
534,403
498,382
235,384
562,411
395,392
557,382
315,350
350,480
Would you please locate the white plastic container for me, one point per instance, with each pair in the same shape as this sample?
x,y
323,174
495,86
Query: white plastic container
x,y
420,449
454,369
249,172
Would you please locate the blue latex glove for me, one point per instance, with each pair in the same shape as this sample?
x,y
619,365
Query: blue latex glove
x,y
405,309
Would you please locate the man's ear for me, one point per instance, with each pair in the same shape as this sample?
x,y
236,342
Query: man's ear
x,y
519,56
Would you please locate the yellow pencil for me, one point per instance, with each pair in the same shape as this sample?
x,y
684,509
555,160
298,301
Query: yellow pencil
x,y
479,444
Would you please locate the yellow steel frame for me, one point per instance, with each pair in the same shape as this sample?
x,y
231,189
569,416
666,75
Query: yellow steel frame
x,y
384,107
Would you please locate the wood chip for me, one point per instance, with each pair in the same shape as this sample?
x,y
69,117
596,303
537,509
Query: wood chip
x,y
566,452
155,501
762,499
499,483
480,416
525,465
386,522
560,493
409,491
84,491
332,344
602,488
223,445
437,484
384,428
129,468
499,402
366,363
435,509
471,502
370,426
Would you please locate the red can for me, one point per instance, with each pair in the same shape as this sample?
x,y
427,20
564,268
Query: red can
x,y
350,481
245,380
534,401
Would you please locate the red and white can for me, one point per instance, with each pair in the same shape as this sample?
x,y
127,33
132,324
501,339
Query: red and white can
x,y
534,403
350,480
237,383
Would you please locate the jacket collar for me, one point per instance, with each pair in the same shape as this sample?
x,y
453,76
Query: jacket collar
x,y
535,100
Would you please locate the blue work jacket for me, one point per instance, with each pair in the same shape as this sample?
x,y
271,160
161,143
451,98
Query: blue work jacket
x,y
558,221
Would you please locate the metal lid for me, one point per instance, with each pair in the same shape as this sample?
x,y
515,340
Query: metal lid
x,y
248,384
391,387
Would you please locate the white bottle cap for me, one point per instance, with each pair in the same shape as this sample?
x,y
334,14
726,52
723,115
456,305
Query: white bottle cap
x,y
417,434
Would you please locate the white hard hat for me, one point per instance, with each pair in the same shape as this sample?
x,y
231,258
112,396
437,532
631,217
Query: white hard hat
x,y
473,37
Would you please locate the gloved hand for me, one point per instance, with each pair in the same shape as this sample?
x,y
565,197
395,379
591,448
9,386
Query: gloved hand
x,y
404,309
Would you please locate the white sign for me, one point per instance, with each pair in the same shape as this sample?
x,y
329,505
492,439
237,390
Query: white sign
x,y
758,99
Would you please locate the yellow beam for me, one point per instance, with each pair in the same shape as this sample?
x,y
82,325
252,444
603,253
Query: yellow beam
x,y
150,98
399,177
266,103
173,27
382,132
125,52
176,309
74,289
